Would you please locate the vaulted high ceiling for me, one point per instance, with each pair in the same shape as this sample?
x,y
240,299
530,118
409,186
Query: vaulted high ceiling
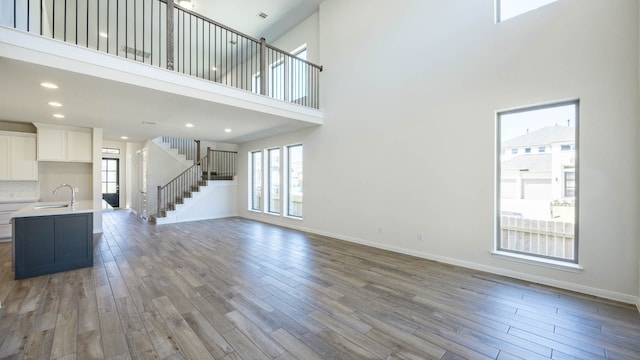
x,y
121,107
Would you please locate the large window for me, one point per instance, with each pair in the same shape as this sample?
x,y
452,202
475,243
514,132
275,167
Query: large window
x,y
273,157
256,180
538,192
294,180
506,9
299,76
288,77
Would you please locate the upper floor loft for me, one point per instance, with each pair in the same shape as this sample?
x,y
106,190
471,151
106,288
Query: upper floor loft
x,y
144,68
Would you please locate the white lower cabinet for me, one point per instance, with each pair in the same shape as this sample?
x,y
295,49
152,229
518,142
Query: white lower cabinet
x,y
5,218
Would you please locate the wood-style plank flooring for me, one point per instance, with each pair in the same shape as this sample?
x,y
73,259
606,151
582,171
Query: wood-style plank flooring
x,y
238,289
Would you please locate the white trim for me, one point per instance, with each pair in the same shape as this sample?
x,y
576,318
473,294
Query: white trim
x,y
612,295
538,261
638,301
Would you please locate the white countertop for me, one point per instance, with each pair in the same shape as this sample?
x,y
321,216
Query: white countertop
x,y
83,206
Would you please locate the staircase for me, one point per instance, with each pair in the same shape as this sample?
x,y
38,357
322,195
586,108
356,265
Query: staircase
x,y
205,190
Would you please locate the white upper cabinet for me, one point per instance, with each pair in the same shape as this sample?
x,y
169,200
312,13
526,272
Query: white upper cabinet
x,y
79,146
64,144
18,156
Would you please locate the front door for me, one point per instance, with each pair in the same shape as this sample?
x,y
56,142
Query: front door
x,y
111,181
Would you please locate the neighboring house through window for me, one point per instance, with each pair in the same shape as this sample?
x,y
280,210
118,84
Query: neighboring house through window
x,y
273,176
256,180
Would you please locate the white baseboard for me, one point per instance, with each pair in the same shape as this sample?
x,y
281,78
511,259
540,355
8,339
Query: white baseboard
x,y
612,295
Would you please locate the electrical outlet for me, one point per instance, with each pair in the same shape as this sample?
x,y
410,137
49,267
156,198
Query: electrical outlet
x,y
420,236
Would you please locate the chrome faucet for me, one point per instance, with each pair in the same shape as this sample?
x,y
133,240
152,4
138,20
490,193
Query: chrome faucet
x,y
73,192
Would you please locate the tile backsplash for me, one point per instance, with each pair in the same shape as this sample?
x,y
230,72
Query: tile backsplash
x,y
19,190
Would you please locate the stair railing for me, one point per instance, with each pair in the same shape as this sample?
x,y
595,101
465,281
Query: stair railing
x,y
221,165
157,33
216,165
188,147
178,188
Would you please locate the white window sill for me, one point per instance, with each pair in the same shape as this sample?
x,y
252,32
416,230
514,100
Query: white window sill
x,y
538,261
293,217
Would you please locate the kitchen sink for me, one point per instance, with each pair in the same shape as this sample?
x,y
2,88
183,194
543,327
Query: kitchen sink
x,y
52,206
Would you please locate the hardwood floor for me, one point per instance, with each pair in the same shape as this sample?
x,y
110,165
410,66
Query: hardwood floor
x,y
237,289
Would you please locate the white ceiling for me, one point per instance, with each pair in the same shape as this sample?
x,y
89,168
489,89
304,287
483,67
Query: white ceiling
x,y
121,108
242,15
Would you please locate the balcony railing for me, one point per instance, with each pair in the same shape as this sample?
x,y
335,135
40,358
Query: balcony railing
x,y
157,33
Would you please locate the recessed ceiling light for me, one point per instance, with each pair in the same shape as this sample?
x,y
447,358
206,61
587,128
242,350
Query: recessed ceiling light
x,y
58,116
49,85
214,68
227,130
104,35
189,125
124,137
55,103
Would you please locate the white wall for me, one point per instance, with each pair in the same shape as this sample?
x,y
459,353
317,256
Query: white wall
x,y
161,168
214,201
305,33
410,93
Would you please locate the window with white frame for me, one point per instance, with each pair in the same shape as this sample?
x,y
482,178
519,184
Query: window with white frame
x,y
294,180
273,177
288,77
255,83
506,9
299,77
537,193
255,169
569,182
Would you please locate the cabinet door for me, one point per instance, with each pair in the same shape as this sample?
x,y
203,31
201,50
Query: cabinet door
x,y
79,146
52,144
73,241
34,246
23,158
4,157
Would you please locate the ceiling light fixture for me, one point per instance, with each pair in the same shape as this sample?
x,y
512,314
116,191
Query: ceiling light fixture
x,y
58,116
55,104
124,137
104,34
214,68
49,85
227,130
187,4
189,125
262,15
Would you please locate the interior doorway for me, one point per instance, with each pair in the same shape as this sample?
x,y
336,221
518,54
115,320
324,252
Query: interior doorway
x,y
111,181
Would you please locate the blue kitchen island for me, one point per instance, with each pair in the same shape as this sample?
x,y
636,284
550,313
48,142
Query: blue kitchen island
x,y
50,237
